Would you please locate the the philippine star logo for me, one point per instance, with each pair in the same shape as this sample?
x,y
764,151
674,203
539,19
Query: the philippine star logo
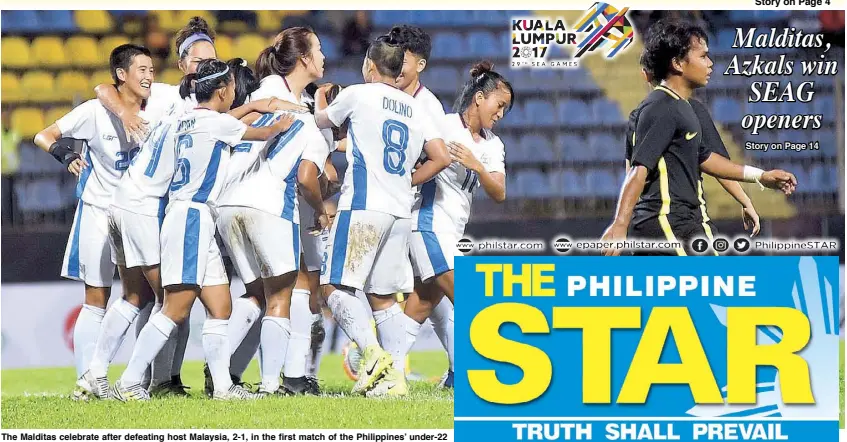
x,y
542,42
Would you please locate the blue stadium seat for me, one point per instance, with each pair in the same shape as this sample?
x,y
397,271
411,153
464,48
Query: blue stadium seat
x,y
601,182
34,160
545,80
384,18
573,148
606,111
485,44
513,185
57,21
20,21
537,148
574,113
796,108
449,45
40,195
515,118
329,46
607,147
579,80
346,76
443,79
573,183
726,110
828,142
726,38
540,113
521,80
817,178
763,108
771,16
825,105
533,183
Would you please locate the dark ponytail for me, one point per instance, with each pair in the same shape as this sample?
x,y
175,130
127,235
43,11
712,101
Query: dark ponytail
x,y
483,79
281,57
245,80
211,75
197,29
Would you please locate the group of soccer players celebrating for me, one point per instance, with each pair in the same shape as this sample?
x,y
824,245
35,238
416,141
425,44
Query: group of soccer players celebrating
x,y
235,162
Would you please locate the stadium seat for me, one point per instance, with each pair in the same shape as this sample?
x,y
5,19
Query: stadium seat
x,y
824,105
442,79
606,111
21,21
796,108
11,85
538,148
574,113
169,76
34,160
573,183
602,182
40,195
521,80
28,121
249,46
330,49
268,21
84,52
39,86
345,76
98,78
485,44
726,110
828,142
57,21
168,20
762,108
49,52
540,113
94,21
449,45
545,80
607,147
223,47
54,113
386,18
573,148
109,43
73,85
16,52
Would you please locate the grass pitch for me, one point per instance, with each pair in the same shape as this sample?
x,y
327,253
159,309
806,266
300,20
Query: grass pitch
x,y
38,399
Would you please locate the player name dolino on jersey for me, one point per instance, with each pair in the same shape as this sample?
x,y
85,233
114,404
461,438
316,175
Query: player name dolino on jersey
x,y
398,107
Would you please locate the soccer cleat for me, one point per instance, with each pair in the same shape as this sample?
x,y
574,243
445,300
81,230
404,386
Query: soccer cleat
x,y
301,385
98,387
235,392
375,361
393,384
81,394
351,357
168,388
446,380
134,392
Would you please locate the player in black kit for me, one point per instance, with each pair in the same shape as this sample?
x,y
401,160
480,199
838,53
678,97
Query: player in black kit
x,y
660,198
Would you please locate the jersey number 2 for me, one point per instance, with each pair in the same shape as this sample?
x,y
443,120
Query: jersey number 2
x,y
124,158
395,136
183,167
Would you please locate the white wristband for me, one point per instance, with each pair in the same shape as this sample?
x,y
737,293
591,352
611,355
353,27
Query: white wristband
x,y
752,174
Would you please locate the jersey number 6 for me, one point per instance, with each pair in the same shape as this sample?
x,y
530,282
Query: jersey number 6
x,y
183,166
395,136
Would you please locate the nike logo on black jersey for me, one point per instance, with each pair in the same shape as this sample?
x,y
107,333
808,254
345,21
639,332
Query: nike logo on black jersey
x,y
690,135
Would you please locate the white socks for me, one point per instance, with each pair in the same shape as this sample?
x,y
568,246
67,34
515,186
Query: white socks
x,y
442,322
151,339
245,313
301,334
163,360
86,330
351,315
216,351
391,326
275,335
115,324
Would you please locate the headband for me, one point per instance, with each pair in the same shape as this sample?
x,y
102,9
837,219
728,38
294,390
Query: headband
x,y
193,38
213,76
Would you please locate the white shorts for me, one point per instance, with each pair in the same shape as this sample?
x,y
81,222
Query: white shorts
x,y
400,237
366,251
88,256
189,247
433,253
134,238
260,245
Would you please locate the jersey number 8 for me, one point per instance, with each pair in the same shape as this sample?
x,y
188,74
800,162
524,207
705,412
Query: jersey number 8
x,y
395,135
183,166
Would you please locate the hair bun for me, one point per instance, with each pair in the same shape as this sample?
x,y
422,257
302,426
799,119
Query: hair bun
x,y
481,68
199,24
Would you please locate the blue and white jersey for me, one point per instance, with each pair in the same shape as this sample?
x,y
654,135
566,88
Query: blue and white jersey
x,y
164,101
444,203
108,152
203,141
430,102
263,175
386,134
144,187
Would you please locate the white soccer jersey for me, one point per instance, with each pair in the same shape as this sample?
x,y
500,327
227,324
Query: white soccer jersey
x,y
387,131
430,102
203,145
165,100
108,152
144,187
264,176
444,203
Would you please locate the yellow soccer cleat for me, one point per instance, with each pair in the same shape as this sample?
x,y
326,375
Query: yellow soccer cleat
x,y
393,384
375,362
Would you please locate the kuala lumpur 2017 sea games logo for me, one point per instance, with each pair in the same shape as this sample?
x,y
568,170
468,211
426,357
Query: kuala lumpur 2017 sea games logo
x,y
602,27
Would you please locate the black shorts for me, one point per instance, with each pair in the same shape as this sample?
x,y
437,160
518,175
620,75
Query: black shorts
x,y
685,231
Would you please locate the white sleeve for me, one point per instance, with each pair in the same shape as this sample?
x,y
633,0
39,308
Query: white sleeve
x,y
496,159
80,122
430,130
342,106
229,129
316,151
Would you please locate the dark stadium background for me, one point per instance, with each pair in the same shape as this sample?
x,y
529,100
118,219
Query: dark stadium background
x,y
564,137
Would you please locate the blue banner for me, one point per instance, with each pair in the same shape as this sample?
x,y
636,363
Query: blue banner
x,y
647,348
